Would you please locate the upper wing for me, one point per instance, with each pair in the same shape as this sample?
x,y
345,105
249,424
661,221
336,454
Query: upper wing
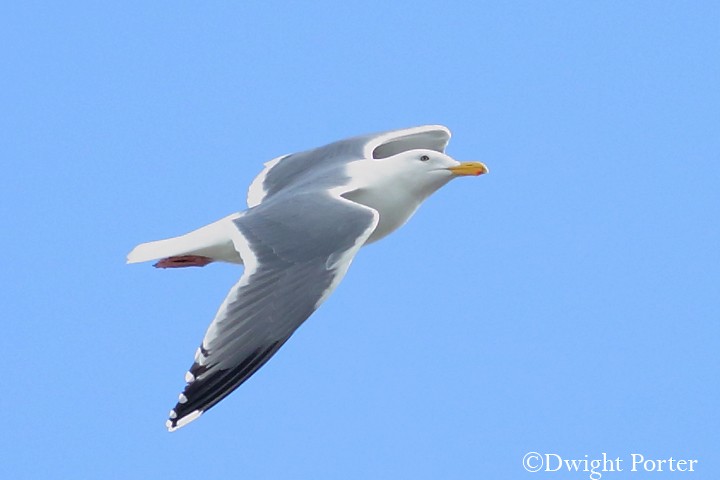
x,y
295,169
295,254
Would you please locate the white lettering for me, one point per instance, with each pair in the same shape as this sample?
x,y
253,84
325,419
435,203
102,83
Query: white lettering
x,y
574,465
594,473
611,465
547,462
636,458
656,465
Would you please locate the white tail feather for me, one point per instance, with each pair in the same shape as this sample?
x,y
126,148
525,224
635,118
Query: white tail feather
x,y
212,241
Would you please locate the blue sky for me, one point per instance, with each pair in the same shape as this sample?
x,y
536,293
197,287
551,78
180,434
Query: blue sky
x,y
567,303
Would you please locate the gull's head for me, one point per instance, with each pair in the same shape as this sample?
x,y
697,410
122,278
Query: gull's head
x,y
396,184
438,161
431,166
424,171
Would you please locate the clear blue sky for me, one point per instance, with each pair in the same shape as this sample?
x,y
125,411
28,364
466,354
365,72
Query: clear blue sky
x,y
567,303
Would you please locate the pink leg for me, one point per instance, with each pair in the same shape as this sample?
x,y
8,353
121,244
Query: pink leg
x,y
183,261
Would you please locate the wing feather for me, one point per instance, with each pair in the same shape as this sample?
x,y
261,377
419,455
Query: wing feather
x,y
295,170
286,279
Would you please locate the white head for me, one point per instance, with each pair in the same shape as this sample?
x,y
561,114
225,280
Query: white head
x,y
427,170
395,185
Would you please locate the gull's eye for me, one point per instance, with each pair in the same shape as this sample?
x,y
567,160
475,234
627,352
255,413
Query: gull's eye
x,y
424,158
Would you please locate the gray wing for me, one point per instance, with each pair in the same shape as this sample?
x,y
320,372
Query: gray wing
x,y
313,165
295,253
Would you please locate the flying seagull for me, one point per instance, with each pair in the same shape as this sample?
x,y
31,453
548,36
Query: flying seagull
x,y
308,215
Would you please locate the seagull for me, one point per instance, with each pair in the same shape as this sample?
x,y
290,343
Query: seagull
x,y
308,215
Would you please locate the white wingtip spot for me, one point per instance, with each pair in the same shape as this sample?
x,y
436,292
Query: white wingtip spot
x,y
172,415
200,357
182,398
183,421
189,377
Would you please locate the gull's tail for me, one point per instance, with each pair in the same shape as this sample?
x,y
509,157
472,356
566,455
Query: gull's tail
x,y
212,241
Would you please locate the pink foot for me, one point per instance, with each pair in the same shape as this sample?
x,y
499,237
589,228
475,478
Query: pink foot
x,y
183,261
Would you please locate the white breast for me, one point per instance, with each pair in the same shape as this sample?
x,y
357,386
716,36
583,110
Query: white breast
x,y
395,190
395,208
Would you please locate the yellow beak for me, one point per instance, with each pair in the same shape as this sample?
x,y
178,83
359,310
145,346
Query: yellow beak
x,y
469,168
